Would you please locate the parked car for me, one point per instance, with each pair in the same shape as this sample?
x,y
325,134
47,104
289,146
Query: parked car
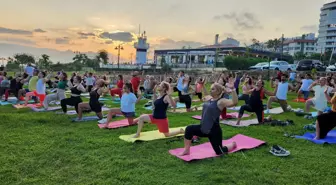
x,y
258,66
331,68
307,65
293,67
279,65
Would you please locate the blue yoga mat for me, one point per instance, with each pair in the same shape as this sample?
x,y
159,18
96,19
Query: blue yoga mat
x,y
5,103
88,118
331,138
104,99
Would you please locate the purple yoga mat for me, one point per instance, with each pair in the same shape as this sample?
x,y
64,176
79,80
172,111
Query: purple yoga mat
x,y
232,114
117,124
205,150
331,138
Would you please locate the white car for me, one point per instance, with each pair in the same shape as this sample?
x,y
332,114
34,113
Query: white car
x,y
331,68
280,65
293,67
258,66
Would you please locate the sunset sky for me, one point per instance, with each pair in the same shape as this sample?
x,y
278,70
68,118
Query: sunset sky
x,y
59,27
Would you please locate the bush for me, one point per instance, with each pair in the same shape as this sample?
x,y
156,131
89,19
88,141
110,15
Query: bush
x,y
241,63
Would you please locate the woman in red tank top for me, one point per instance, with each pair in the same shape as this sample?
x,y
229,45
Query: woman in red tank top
x,y
118,89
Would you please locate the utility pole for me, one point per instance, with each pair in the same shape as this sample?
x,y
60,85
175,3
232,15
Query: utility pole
x,y
119,47
282,42
131,58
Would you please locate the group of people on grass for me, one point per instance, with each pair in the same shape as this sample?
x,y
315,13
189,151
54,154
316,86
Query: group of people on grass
x,y
223,93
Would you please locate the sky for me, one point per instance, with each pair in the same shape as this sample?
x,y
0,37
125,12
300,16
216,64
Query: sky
x,y
61,27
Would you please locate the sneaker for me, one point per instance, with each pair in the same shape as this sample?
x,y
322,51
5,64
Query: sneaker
x,y
279,151
102,121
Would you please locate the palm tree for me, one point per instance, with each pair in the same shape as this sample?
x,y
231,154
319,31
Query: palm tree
x,y
103,55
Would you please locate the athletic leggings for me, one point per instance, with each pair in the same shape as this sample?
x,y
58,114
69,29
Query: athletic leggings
x,y
215,137
72,101
59,95
8,91
116,91
244,97
259,112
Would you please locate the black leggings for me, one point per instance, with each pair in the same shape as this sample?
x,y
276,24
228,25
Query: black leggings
x,y
215,137
72,101
186,100
259,112
176,90
244,97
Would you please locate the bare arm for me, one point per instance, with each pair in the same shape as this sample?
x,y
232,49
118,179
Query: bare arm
x,y
312,85
81,88
170,100
69,84
222,103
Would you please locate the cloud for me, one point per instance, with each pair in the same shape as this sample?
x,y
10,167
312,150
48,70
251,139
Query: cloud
x,y
245,20
118,36
18,41
166,43
14,31
309,28
64,40
89,34
38,30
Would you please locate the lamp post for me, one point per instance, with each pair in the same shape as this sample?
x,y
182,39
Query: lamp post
x,y
119,47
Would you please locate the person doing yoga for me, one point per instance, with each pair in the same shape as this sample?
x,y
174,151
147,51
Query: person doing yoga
x,y
118,90
40,91
200,88
60,91
305,87
255,103
281,90
247,86
159,116
209,126
184,96
76,89
320,101
94,104
326,122
127,105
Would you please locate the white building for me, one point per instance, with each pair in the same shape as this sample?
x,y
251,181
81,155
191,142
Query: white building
x,y
141,49
305,44
327,28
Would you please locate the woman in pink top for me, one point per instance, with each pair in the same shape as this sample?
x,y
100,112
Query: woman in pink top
x,y
199,87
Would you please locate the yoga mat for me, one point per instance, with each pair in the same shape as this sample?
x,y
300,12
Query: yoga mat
x,y
231,115
148,136
331,138
35,109
5,103
243,123
85,94
84,119
178,106
104,99
117,124
28,106
277,110
302,100
184,110
205,150
73,112
234,108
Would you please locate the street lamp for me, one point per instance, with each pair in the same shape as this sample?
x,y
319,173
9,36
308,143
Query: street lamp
x,y
119,47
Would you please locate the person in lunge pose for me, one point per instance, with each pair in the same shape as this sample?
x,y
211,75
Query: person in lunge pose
x,y
209,126
76,89
159,116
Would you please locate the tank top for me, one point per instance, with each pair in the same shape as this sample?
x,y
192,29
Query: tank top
x,y
282,91
256,99
185,89
210,116
40,87
94,97
75,91
120,84
62,84
160,108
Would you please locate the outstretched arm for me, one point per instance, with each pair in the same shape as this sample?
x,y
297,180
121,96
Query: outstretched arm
x,y
223,103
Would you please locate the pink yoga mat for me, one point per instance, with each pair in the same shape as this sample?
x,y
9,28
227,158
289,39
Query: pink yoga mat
x,y
28,106
233,115
205,150
117,124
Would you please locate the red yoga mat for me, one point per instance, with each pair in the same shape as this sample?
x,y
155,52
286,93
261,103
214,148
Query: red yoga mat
x,y
302,100
205,150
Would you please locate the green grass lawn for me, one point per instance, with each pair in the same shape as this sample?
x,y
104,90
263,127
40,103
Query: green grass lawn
x,y
44,148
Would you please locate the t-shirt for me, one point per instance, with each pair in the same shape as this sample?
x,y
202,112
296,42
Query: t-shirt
x,y
305,84
40,87
135,81
89,81
5,83
292,76
120,84
282,90
319,93
180,83
29,70
32,83
127,102
62,84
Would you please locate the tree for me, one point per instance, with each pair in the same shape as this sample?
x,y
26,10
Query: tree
x,y
255,43
103,56
44,62
24,59
299,56
273,44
